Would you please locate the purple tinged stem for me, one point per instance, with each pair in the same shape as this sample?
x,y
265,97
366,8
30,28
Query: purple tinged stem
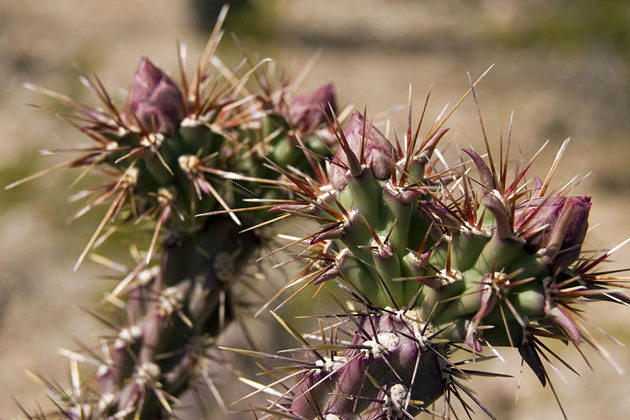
x,y
348,393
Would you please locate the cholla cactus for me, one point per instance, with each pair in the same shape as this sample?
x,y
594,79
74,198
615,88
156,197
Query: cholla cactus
x,y
431,261
180,160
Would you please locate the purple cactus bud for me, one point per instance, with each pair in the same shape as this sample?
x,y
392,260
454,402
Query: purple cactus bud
x,y
501,218
154,102
487,300
555,223
331,273
377,152
310,110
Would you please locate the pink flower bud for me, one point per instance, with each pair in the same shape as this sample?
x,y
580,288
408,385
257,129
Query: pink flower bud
x,y
154,102
558,223
309,110
377,152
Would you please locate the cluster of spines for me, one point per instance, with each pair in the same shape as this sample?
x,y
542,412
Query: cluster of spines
x,y
180,160
483,262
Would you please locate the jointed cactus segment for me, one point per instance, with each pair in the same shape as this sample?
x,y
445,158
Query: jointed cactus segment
x,y
180,161
479,262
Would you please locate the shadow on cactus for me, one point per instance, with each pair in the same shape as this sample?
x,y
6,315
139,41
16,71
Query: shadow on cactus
x,y
425,260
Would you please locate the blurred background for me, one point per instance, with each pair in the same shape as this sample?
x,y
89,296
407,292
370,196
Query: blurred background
x,y
563,67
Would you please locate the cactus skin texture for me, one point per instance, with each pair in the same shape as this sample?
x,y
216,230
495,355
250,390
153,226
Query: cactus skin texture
x,y
439,260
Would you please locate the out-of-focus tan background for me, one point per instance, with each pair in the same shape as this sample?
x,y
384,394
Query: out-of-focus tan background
x,y
563,67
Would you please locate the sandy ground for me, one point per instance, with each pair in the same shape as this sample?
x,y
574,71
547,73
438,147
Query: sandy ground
x,y
372,50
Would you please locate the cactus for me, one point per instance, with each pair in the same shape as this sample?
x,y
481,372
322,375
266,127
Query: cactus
x,y
179,161
432,261
423,259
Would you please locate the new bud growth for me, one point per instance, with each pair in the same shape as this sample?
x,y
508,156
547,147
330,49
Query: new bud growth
x,y
363,138
566,216
155,102
311,109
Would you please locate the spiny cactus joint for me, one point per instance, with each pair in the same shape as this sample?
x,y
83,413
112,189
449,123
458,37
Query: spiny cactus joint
x,y
422,258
